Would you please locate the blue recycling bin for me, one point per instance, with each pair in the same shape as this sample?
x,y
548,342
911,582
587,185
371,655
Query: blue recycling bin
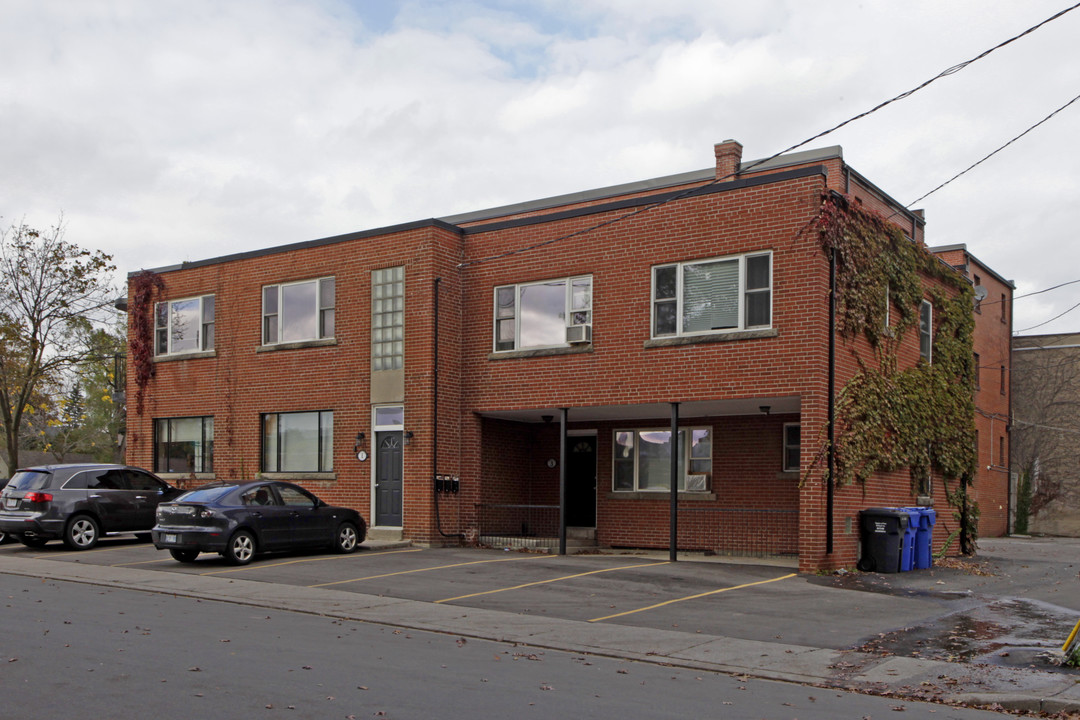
x,y
908,549
924,539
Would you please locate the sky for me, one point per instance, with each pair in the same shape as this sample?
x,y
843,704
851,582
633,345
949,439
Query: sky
x,y
172,130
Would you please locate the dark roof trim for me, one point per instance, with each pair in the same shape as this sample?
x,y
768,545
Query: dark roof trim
x,y
969,256
389,230
649,199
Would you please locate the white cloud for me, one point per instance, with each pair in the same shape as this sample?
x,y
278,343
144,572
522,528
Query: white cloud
x,y
172,131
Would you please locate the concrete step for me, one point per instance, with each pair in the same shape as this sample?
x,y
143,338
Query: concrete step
x,y
384,534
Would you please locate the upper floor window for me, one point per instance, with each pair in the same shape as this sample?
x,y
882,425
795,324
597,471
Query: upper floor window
x,y
184,445
388,318
182,326
705,296
926,330
298,311
543,314
642,460
978,300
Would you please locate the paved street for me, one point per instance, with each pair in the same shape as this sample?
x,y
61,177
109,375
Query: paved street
x,y
76,649
979,632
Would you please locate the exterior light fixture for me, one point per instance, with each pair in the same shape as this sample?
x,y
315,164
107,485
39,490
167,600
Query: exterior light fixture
x,y
408,436
765,408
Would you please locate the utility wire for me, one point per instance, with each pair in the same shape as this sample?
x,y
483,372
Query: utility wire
x,y
949,71
980,162
1048,321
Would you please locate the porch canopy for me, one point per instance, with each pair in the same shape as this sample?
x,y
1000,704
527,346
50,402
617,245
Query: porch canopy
x,y
676,411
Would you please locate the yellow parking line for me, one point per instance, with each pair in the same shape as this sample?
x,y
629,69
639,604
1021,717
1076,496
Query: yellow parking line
x,y
437,567
304,560
85,553
543,582
692,597
143,562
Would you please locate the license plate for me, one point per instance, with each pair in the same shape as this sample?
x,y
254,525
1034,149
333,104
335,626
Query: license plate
x,y
169,537
10,503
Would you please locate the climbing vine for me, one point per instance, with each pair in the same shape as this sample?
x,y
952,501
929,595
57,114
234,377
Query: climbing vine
x,y
141,317
887,418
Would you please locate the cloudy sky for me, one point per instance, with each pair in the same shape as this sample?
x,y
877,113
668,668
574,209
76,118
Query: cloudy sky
x,y
172,130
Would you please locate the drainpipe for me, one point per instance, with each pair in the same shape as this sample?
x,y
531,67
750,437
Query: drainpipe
x,y
832,405
673,543
562,480
435,412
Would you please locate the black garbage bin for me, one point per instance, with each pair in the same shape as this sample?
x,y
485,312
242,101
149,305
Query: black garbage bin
x,y
882,539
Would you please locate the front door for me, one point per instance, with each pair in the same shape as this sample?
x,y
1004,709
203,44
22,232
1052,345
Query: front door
x,y
581,482
388,474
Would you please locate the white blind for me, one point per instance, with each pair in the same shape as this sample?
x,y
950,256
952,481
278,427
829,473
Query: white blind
x,y
711,296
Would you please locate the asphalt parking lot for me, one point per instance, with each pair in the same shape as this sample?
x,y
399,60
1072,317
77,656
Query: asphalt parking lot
x,y
642,590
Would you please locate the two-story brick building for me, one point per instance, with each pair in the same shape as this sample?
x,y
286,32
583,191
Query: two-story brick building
x,y
517,372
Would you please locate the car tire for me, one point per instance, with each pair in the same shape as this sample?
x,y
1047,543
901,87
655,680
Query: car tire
x,y
32,542
4,537
347,538
241,548
82,532
184,556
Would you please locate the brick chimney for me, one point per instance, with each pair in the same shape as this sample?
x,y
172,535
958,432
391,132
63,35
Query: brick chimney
x,y
728,157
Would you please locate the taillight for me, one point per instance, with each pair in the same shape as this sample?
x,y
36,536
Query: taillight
x,y
38,497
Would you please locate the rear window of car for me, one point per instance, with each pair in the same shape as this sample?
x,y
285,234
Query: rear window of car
x,y
206,494
30,480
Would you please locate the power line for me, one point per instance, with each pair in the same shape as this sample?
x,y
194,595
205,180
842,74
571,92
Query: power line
x,y
949,71
995,152
1048,321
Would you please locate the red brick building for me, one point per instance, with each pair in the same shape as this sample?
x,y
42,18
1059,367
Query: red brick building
x,y
992,343
515,373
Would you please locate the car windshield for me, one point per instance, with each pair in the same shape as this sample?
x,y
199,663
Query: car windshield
x,y
205,495
29,480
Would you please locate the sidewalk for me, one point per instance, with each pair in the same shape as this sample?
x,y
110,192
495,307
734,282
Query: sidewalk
x,y
902,677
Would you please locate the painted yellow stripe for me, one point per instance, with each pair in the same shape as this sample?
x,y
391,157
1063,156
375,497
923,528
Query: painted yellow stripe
x,y
692,597
306,560
144,562
437,567
558,579
87,553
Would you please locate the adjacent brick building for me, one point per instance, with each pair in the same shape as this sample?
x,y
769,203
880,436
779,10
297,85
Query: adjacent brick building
x,y
424,373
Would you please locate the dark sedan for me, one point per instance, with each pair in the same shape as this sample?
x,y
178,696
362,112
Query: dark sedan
x,y
239,520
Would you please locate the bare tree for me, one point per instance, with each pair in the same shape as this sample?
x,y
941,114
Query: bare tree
x,y
1045,439
49,288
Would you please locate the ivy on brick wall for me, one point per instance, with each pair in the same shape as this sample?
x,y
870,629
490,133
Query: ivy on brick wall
x,y
887,418
141,317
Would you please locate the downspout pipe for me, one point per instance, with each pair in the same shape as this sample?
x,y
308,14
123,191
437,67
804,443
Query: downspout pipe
x,y
435,412
562,480
830,483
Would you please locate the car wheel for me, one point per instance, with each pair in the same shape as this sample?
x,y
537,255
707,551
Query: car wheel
x,y
184,556
241,548
82,532
32,542
347,538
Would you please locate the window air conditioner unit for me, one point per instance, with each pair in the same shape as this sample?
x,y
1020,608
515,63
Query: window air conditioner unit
x,y
697,483
576,334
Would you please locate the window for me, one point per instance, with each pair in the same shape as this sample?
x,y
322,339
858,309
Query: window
x,y
732,293
643,460
1004,310
538,314
978,300
298,442
388,318
184,445
298,311
926,328
1001,452
976,360
792,444
1004,380
183,326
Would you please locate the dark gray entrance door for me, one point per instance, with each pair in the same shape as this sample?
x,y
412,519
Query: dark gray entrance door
x,y
581,482
388,475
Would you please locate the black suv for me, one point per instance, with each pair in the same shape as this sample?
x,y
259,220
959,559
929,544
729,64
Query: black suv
x,y
79,503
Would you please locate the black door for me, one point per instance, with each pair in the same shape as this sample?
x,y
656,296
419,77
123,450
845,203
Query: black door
x,y
581,482
388,473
